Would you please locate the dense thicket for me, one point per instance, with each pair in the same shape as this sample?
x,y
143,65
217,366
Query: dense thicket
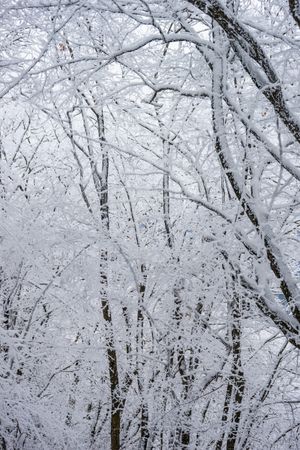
x,y
149,194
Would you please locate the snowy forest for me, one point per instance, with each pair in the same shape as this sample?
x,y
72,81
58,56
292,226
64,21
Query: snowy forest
x,y
150,224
